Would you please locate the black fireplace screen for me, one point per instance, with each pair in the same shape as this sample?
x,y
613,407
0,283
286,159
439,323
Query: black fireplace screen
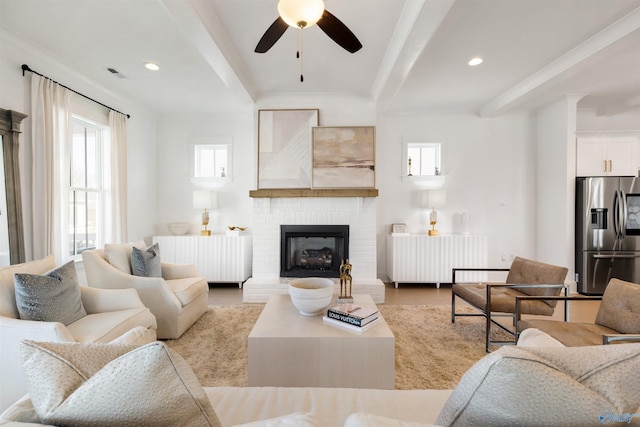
x,y
313,250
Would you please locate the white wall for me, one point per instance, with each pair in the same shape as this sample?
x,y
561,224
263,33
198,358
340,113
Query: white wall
x,y
489,166
176,132
556,166
175,190
588,120
141,129
489,163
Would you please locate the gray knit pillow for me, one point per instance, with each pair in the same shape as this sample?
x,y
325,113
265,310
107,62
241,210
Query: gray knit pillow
x,y
146,262
52,297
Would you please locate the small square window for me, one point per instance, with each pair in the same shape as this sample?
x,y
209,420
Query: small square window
x,y
211,161
422,159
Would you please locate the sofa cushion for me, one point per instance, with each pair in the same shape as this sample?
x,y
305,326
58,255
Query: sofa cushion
x,y
297,419
8,306
365,419
105,385
119,254
109,325
570,334
188,289
52,297
620,307
146,262
503,299
529,386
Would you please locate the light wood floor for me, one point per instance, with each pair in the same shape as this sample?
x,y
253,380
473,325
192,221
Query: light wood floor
x,y
411,294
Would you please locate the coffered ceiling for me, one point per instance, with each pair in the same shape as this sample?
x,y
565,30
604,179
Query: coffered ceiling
x,y
414,55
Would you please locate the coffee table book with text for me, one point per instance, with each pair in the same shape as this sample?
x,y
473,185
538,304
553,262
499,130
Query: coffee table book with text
x,y
353,314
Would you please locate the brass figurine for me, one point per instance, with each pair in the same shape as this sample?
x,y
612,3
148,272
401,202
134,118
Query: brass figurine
x,y
346,285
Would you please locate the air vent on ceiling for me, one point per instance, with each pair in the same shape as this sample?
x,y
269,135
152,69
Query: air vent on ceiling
x,y
116,73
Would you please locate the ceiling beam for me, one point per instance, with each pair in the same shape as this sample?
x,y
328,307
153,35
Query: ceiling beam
x,y
203,27
418,22
517,94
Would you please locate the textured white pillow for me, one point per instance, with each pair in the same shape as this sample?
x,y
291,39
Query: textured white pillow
x,y
119,254
101,384
530,386
532,337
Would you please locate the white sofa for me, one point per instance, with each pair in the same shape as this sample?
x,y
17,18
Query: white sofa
x,y
512,386
110,314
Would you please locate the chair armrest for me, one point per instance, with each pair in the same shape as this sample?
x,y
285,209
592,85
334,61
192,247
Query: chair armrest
x,y
453,271
19,329
609,338
172,270
96,300
566,298
526,285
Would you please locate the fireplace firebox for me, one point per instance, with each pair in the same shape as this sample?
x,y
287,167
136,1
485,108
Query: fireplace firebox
x,y
313,250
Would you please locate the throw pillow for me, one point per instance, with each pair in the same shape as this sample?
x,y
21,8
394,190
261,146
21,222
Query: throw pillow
x,y
7,290
119,254
100,384
529,386
52,297
146,263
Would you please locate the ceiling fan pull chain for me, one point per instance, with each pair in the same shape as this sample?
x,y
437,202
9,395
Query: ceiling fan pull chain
x,y
301,58
299,53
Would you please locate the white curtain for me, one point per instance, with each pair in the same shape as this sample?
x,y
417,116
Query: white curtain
x,y
116,179
51,126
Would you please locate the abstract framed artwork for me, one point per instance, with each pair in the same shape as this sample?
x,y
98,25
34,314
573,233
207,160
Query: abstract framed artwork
x,y
284,147
344,157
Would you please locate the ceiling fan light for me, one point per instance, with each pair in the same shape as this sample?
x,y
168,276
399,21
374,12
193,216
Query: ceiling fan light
x,y
301,13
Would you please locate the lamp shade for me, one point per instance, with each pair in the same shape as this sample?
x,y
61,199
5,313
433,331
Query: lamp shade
x,y
300,13
203,199
434,199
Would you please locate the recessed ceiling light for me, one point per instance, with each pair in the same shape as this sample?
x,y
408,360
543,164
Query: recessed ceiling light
x,y
151,66
475,61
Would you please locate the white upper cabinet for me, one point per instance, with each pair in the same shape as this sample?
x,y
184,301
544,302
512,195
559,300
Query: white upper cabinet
x,y
607,156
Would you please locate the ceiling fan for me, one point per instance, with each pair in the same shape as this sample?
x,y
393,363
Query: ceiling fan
x,y
303,14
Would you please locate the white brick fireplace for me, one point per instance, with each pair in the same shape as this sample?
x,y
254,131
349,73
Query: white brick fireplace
x,y
270,213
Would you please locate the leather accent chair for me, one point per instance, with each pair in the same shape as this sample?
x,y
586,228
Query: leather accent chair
x,y
177,299
618,318
526,277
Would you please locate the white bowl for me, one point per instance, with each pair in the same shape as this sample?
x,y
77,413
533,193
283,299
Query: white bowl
x,y
178,228
311,295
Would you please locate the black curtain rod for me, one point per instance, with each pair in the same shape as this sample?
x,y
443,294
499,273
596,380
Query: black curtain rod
x,y
25,67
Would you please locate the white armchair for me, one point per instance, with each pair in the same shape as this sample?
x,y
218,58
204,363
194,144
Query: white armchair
x,y
110,315
177,299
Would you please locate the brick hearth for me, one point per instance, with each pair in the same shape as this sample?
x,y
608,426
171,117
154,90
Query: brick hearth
x,y
269,213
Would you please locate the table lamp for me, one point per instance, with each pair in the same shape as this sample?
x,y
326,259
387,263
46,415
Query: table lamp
x,y
203,199
434,199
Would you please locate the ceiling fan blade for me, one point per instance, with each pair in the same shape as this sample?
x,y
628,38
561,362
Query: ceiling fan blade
x,y
272,35
339,33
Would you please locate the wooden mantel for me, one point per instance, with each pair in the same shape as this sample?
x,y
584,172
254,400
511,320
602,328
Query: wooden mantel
x,y
314,192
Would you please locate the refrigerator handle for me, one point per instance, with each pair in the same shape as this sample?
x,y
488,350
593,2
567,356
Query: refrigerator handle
x,y
616,215
623,215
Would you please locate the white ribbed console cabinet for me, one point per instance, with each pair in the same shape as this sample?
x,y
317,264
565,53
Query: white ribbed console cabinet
x,y
219,258
420,258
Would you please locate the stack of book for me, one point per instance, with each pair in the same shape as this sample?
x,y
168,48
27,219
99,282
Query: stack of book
x,y
352,316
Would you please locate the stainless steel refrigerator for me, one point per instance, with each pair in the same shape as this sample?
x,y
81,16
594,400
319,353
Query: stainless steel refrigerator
x,y
607,231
